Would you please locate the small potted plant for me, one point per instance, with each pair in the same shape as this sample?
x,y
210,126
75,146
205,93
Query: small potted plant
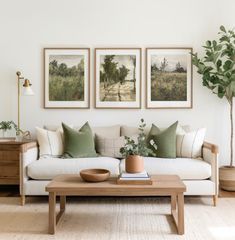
x,y
7,126
217,68
133,151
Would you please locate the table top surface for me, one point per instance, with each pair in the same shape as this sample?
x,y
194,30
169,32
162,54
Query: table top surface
x,y
73,183
12,141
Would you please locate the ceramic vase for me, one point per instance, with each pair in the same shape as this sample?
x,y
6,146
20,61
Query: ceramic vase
x,y
134,164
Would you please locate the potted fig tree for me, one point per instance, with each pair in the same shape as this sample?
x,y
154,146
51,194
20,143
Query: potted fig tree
x,y
217,68
135,149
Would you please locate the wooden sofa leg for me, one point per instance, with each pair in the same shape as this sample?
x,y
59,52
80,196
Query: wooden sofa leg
x,y
214,200
22,200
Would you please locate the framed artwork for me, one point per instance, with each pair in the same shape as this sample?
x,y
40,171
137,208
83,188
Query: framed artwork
x,y
66,77
118,77
169,77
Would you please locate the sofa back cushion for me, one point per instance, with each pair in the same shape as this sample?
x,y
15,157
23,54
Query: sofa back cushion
x,y
130,131
109,132
78,143
109,147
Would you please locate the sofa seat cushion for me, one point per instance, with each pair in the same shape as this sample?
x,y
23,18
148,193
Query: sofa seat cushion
x,y
185,168
48,168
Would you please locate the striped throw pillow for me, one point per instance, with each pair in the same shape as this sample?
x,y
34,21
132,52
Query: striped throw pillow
x,y
50,142
190,144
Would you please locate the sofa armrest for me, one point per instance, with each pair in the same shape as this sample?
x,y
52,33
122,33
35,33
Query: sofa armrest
x,y
212,147
28,154
210,154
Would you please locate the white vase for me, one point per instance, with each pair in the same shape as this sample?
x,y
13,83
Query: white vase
x,y
4,133
19,138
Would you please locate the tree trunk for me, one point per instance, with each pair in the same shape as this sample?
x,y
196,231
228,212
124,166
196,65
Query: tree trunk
x,y
231,139
134,79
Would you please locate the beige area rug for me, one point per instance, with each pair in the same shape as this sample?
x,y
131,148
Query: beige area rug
x,y
118,218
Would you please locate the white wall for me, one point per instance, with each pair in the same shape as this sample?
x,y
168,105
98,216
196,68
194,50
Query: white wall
x,y
27,26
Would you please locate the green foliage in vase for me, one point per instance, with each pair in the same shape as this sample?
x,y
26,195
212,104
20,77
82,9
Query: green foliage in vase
x,y
8,125
139,148
217,68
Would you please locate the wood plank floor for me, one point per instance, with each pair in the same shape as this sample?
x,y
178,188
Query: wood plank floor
x,y
13,191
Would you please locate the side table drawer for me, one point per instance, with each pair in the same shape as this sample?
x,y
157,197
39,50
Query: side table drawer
x,y
9,155
9,172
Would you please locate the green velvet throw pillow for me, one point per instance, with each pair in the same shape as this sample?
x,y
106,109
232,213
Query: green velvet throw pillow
x,y
78,144
165,141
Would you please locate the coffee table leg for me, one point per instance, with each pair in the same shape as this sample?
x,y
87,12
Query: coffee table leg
x,y
180,214
177,211
52,212
173,203
62,203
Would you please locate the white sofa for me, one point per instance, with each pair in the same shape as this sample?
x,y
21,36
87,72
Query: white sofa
x,y
199,175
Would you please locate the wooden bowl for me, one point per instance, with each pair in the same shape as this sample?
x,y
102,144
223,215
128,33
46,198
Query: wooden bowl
x,y
95,175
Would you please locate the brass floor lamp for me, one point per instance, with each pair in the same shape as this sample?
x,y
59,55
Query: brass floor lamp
x,y
27,91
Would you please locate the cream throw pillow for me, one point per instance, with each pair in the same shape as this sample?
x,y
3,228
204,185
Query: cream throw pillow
x,y
50,142
190,144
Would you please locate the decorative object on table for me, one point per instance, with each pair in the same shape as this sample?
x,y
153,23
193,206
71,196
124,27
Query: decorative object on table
x,y
169,77
67,77
118,77
27,91
23,136
95,175
141,178
133,151
7,126
217,68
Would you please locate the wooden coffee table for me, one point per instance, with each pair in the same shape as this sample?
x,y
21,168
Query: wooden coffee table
x,y
73,185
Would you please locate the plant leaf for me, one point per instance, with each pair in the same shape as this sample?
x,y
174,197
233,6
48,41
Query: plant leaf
x,y
222,28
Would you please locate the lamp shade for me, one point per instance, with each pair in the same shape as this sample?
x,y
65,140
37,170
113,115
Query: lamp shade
x,y
27,88
28,91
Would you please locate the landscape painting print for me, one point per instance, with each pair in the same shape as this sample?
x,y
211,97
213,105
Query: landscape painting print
x,y
66,78
118,78
169,78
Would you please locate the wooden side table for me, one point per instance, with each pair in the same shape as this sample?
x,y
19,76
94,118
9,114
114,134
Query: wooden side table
x,y
11,153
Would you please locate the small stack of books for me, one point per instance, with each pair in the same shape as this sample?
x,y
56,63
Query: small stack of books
x,y
134,178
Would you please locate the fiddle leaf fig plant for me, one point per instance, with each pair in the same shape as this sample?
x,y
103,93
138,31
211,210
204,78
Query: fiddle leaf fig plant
x,y
217,68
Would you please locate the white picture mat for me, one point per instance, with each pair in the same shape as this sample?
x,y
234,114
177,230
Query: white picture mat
x,y
67,104
169,104
128,104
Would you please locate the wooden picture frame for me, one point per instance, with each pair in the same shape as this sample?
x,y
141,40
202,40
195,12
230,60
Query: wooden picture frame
x,y
66,78
169,78
120,86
